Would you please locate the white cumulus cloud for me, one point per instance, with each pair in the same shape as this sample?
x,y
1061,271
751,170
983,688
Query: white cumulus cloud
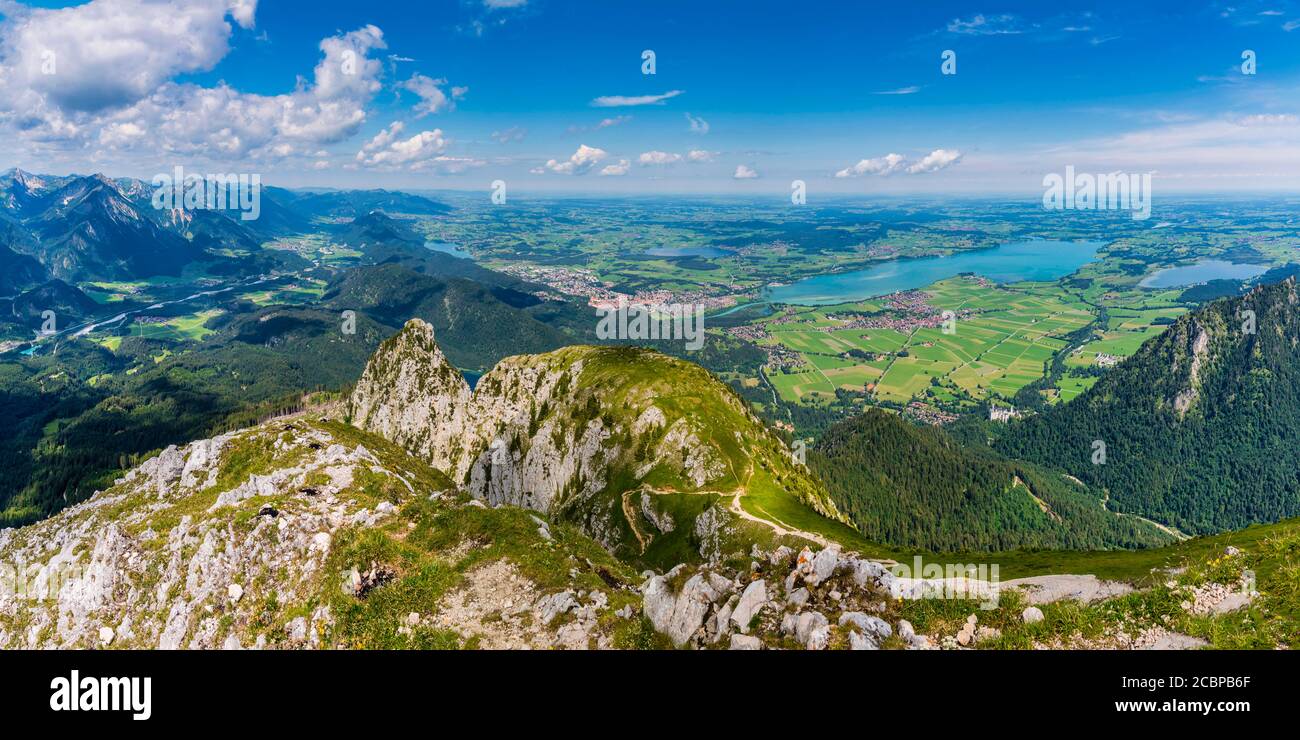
x,y
616,170
935,161
886,165
658,158
433,99
745,172
893,163
580,163
389,148
112,53
93,77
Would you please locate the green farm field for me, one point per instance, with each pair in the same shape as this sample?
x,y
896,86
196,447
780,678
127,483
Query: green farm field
x,y
1002,340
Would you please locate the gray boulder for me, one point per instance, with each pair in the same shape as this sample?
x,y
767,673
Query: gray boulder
x,y
823,566
906,630
679,616
551,607
721,622
753,598
874,627
870,574
810,629
858,641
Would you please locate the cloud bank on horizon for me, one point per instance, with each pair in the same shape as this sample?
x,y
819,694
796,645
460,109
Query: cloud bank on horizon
x,y
448,94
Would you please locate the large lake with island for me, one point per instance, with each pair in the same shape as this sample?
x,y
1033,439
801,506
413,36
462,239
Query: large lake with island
x,y
1007,263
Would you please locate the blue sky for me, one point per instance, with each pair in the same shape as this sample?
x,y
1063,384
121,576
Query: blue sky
x,y
550,95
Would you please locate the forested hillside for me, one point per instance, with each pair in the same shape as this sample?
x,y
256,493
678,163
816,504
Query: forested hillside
x,y
1200,428
914,486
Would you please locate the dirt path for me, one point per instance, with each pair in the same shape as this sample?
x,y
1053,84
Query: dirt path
x,y
1043,505
629,513
1084,589
1172,532
778,526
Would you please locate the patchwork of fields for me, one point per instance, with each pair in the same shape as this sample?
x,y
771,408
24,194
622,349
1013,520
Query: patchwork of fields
x,y
1003,339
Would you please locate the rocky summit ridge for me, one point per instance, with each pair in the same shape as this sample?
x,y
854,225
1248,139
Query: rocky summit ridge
x,y
612,438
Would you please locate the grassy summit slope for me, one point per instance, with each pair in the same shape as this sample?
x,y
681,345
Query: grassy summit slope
x,y
682,433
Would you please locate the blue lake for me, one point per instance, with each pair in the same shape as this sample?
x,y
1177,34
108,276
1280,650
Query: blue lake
x,y
447,248
1006,263
1201,272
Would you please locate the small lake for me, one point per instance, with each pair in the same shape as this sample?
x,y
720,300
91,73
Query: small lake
x,y
448,248
1201,272
686,252
1007,263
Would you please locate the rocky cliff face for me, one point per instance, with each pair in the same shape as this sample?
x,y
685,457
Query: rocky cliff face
x,y
302,534
572,431
410,394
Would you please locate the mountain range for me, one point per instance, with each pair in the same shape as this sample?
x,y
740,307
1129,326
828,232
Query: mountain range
x,y
92,227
